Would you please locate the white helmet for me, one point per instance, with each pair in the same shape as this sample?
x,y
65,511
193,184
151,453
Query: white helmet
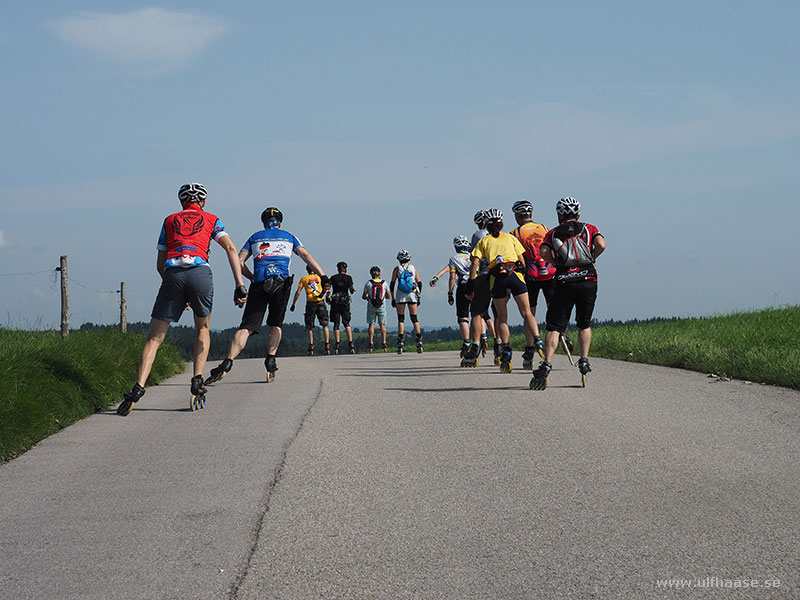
x,y
461,242
522,207
568,207
404,256
494,214
192,192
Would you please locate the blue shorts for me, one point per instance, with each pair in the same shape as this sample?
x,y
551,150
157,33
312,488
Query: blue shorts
x,y
182,286
503,284
376,316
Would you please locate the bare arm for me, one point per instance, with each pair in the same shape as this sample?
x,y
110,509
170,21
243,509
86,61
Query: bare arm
x,y
160,260
246,272
233,258
598,245
296,296
436,277
309,260
546,252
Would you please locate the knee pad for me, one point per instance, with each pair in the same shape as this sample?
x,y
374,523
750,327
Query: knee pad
x,y
413,318
401,318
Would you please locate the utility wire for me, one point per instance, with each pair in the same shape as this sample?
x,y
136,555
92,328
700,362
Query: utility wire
x,y
72,280
26,273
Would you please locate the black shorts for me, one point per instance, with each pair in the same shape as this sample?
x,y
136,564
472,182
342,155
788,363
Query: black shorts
x,y
316,310
462,304
182,285
503,284
579,294
547,288
258,301
481,297
340,313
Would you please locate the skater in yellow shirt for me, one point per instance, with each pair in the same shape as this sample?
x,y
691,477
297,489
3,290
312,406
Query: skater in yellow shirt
x,y
505,255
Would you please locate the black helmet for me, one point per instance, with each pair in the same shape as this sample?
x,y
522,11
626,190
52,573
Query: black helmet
x,y
271,214
341,266
375,271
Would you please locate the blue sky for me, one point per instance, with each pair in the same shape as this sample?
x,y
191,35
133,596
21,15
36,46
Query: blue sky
x,y
377,126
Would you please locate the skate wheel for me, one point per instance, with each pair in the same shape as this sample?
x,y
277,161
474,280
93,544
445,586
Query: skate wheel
x,y
583,380
193,403
270,377
538,384
202,401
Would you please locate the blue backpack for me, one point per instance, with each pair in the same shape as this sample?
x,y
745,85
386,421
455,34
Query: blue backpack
x,y
406,282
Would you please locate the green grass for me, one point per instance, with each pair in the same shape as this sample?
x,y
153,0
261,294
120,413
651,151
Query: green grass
x,y
757,346
760,346
50,382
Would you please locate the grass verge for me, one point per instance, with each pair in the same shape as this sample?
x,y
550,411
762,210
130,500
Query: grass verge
x,y
759,346
53,382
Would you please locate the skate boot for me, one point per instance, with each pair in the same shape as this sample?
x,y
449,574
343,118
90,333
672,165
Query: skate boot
x,y
539,379
484,346
584,368
539,345
198,399
311,349
400,343
464,348
419,343
471,357
336,348
218,372
351,348
384,348
271,367
328,348
371,347
130,398
527,357
497,352
505,359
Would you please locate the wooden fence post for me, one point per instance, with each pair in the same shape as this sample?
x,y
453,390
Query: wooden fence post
x,y
64,298
123,309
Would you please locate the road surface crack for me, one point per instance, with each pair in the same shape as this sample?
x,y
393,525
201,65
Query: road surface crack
x,y
277,475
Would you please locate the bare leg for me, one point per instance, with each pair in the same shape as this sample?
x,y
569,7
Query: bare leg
x,y
585,340
202,343
155,337
239,341
274,340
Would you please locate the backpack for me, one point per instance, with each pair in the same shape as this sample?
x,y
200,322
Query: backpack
x,y
406,282
571,245
377,293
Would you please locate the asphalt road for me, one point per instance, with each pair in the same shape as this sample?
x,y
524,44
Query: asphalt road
x,y
406,477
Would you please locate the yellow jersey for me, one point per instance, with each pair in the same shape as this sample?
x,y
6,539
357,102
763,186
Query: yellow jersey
x,y
504,245
313,286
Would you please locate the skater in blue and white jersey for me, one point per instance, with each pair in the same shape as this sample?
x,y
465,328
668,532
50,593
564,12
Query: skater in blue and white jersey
x,y
271,249
458,267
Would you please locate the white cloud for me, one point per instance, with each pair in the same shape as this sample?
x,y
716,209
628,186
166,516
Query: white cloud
x,y
151,37
4,242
